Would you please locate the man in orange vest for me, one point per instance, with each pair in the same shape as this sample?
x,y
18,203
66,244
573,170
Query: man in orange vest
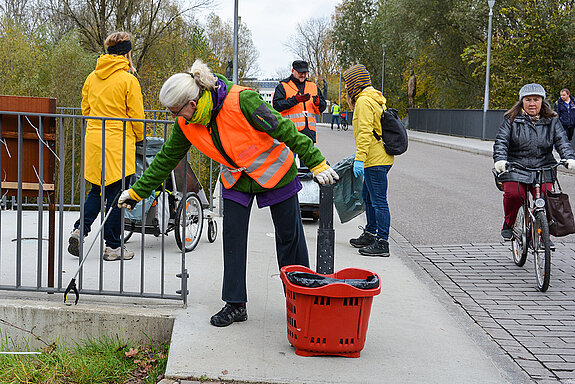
x,y
300,100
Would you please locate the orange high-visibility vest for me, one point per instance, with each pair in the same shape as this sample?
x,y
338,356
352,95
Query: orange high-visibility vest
x,y
304,115
263,158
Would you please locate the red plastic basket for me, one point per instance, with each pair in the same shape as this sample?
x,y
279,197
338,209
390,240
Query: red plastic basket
x,y
328,320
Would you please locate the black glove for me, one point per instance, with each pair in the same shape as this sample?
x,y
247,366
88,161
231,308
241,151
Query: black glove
x,y
316,100
302,98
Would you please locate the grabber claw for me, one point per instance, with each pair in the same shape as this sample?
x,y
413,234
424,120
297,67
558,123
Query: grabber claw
x,y
71,287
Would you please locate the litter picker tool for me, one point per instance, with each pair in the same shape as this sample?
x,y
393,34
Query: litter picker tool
x,y
72,284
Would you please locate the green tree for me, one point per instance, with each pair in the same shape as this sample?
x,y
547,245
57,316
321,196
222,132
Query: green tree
x,y
532,41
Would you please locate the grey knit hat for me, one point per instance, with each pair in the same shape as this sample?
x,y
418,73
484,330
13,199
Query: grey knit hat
x,y
532,89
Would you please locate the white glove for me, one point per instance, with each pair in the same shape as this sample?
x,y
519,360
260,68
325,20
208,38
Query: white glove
x,y
327,176
570,163
126,200
500,166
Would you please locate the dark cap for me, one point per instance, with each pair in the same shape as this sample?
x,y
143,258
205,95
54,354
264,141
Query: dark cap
x,y
300,66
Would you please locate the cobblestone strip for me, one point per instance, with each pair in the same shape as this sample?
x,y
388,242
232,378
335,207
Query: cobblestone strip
x,y
536,329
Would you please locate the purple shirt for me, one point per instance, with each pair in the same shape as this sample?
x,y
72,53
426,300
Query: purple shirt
x,y
265,199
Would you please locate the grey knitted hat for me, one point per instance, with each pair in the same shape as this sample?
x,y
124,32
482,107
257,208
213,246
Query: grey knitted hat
x,y
532,89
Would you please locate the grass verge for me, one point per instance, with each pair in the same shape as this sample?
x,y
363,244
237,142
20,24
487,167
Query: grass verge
x,y
101,360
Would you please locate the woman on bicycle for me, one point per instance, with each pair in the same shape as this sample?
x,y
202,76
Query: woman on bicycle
x,y
527,136
256,146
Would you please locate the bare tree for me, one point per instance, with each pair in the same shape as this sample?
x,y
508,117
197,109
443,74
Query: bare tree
x,y
147,20
221,35
312,42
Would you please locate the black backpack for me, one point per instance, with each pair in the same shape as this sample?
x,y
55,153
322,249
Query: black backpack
x,y
393,133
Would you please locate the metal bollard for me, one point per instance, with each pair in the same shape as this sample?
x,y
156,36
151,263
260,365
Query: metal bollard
x,y
325,232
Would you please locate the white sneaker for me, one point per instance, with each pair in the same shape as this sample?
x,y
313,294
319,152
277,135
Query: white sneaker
x,y
113,254
74,243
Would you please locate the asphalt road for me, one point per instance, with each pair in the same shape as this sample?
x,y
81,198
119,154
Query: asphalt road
x,y
439,195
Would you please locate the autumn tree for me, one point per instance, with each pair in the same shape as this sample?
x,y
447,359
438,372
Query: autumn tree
x,y
149,21
220,34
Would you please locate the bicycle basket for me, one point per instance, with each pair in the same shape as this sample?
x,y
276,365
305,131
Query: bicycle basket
x,y
498,183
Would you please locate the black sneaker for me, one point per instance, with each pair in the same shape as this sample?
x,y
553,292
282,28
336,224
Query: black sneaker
x,y
363,240
379,247
507,232
230,313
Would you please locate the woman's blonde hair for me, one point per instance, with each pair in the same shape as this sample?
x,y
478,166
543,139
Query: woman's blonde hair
x,y
183,87
118,37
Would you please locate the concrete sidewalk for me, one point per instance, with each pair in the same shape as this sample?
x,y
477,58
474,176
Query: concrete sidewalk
x,y
416,333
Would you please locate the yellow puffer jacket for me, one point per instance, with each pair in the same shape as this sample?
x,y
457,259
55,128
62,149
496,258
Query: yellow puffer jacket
x,y
111,91
366,118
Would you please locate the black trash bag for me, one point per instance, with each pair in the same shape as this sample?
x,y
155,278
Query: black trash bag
x,y
347,191
310,280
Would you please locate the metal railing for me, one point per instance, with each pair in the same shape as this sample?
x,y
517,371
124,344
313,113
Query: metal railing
x,y
27,263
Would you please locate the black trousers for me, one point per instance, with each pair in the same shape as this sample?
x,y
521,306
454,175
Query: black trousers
x,y
291,247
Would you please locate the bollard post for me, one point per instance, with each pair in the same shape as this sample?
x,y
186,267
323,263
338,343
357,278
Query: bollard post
x,y
325,232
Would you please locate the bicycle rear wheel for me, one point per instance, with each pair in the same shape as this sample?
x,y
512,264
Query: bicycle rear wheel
x,y
542,251
519,245
344,124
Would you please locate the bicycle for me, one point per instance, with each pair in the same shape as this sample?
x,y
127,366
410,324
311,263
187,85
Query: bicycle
x,y
343,121
531,228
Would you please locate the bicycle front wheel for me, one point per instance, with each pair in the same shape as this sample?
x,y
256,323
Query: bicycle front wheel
x,y
542,250
189,222
519,245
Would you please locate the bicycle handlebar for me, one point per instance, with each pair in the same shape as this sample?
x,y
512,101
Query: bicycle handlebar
x,y
510,165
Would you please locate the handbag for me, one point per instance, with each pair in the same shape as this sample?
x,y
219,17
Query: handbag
x,y
559,213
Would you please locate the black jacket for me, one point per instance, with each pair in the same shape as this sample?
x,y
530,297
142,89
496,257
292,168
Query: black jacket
x,y
566,114
531,145
280,103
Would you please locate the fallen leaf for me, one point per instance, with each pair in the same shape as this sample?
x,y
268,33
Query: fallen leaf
x,y
225,372
132,352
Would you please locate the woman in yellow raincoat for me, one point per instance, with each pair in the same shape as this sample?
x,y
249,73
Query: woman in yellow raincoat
x,y
111,90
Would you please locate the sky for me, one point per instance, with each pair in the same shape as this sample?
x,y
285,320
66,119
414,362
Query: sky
x,y
272,22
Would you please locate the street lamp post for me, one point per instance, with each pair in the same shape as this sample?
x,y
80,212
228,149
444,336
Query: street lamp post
x,y
491,3
235,58
382,69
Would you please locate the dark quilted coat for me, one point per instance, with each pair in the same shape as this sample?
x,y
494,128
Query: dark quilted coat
x,y
530,144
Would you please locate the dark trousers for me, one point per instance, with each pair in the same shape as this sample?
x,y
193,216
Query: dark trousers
x,y
291,247
113,226
569,130
336,119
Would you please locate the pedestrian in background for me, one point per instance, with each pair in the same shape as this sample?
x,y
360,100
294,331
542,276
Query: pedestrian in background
x,y
565,108
528,134
371,160
111,90
335,115
235,127
300,100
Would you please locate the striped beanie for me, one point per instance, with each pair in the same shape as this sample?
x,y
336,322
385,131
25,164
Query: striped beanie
x,y
356,80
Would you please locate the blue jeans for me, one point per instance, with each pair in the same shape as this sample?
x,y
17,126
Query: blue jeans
x,y
113,226
374,193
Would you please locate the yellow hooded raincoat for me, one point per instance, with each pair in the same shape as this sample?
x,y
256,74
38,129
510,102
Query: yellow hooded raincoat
x,y
111,91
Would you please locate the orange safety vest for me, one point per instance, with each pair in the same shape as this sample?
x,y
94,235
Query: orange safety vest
x,y
304,115
263,158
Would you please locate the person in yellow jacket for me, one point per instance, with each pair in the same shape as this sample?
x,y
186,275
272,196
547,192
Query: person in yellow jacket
x,y
111,90
371,160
